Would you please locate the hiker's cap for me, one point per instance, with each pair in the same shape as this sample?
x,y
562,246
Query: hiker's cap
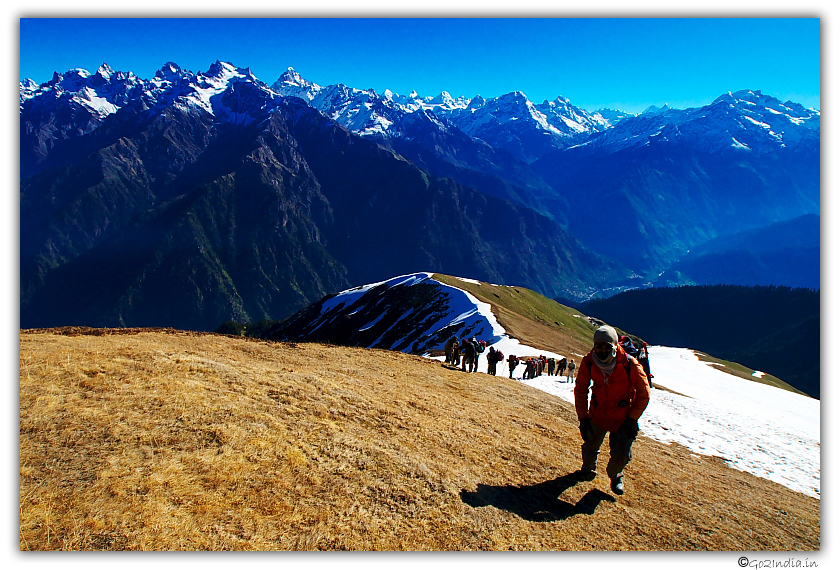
x,y
606,334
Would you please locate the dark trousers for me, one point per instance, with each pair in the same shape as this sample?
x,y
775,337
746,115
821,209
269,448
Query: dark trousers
x,y
620,446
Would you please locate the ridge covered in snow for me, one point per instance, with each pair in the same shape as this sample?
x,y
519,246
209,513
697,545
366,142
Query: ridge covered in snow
x,y
745,120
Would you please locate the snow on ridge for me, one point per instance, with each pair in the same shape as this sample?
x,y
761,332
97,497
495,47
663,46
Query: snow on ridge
x,y
480,312
350,296
758,123
100,105
737,144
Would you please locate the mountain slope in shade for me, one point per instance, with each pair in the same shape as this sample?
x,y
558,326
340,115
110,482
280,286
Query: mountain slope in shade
x,y
354,187
784,253
411,313
772,329
670,181
192,221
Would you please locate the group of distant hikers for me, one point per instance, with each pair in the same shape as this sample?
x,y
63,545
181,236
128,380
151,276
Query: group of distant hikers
x,y
466,352
537,366
616,371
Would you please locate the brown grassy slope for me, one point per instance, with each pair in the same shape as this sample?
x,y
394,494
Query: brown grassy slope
x,y
175,441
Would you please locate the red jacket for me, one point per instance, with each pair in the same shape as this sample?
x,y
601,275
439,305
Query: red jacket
x,y
611,403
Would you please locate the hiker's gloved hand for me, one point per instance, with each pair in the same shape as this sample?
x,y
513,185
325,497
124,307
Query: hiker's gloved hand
x,y
585,429
630,428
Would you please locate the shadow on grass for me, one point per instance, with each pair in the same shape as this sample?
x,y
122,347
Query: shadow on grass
x,y
537,503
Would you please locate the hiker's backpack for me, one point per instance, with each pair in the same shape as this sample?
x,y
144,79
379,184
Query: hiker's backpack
x,y
631,349
479,347
499,356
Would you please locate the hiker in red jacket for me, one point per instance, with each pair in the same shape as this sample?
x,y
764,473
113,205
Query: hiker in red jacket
x,y
620,394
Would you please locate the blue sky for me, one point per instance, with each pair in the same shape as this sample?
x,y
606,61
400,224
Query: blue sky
x,y
624,63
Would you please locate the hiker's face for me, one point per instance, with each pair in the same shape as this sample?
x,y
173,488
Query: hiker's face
x,y
603,350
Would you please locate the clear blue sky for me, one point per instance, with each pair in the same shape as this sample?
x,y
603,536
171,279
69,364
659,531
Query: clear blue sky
x,y
620,63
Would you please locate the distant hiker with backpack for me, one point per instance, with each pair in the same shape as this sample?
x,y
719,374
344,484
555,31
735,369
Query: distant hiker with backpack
x,y
448,349
551,366
513,362
493,358
469,352
561,367
620,394
529,369
491,361
570,372
629,347
644,360
479,349
456,352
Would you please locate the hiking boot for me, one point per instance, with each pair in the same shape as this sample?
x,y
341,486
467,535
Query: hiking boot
x,y
617,485
585,474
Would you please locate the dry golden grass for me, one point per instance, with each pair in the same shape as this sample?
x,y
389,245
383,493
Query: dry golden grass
x,y
165,440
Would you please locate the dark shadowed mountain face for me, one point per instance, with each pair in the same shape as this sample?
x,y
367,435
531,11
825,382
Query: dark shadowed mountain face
x,y
445,151
658,201
667,182
258,220
236,233
396,217
772,329
784,253
642,189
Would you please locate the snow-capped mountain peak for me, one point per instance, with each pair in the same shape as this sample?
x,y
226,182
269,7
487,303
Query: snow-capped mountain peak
x,y
222,70
290,77
744,120
654,110
105,72
477,102
447,102
169,71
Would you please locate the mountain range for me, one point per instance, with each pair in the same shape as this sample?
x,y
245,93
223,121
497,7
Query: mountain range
x,y
191,198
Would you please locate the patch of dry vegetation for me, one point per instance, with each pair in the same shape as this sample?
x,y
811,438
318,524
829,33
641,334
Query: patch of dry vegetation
x,y
164,440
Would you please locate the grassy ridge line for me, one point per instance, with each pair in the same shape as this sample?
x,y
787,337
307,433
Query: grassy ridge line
x,y
747,373
531,318
166,441
545,324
